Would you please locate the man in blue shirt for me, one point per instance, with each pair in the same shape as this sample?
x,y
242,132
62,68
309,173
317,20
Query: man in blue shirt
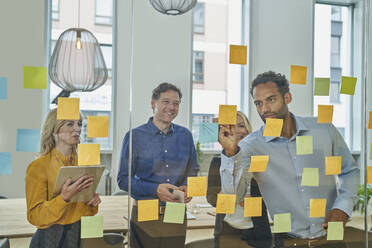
x,y
280,184
163,157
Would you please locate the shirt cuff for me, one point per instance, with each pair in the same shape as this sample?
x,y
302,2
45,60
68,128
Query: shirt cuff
x,y
60,203
344,204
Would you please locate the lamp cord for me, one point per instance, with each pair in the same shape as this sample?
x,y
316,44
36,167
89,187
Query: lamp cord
x,y
78,13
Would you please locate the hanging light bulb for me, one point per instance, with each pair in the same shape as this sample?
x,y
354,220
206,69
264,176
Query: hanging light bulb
x,y
78,40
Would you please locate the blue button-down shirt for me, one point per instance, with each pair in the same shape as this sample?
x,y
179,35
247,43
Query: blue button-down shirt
x,y
157,158
280,184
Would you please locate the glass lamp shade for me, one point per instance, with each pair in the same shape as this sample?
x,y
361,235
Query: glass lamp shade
x,y
77,63
173,7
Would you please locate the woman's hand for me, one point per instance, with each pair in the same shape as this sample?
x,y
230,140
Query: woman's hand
x,y
228,139
95,201
70,189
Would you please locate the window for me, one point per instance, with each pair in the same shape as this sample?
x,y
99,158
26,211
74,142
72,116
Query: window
x,y
107,54
55,10
104,12
199,18
198,67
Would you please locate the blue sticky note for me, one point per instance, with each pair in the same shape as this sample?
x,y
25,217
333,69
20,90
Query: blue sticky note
x,y
208,132
3,88
5,163
28,140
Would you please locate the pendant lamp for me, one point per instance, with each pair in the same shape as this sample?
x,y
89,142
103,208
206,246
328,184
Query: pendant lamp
x,y
173,7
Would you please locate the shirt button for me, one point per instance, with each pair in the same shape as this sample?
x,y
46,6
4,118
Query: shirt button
x,y
166,151
167,180
302,190
166,165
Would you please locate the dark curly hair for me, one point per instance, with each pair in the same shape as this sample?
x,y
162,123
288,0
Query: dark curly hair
x,y
270,76
164,87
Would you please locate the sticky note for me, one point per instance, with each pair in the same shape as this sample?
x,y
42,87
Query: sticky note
x,y
34,77
370,121
5,163
310,177
282,223
298,74
321,87
91,227
317,208
304,145
335,230
325,113
258,163
225,203
348,85
3,88
370,151
97,126
196,186
369,174
208,132
238,55
89,154
252,206
148,210
28,140
174,212
273,127
227,115
68,108
333,165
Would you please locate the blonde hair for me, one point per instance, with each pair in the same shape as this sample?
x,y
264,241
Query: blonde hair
x,y
247,124
49,133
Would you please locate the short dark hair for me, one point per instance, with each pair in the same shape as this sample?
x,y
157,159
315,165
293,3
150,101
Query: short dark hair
x,y
279,79
164,87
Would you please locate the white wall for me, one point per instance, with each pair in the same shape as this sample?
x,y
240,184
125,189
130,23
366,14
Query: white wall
x,y
22,43
281,35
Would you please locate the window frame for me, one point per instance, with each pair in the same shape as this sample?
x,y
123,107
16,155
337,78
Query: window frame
x,y
110,18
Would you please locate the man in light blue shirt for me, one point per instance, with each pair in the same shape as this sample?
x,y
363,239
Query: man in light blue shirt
x,y
280,184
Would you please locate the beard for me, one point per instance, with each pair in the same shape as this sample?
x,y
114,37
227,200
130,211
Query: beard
x,y
281,114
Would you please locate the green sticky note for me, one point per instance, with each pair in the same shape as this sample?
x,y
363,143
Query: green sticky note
x,y
91,227
304,145
310,177
282,223
174,212
322,86
335,230
348,85
34,77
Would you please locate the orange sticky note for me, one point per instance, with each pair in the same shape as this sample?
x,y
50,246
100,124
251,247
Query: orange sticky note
x,y
196,186
225,203
252,206
68,108
298,74
325,113
227,115
370,121
258,163
89,154
273,127
238,55
333,165
97,126
369,174
317,208
148,210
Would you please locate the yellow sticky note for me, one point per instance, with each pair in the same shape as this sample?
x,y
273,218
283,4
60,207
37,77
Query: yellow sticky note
x,y
196,186
310,177
258,163
225,203
252,206
333,165
273,127
298,74
238,55
325,113
68,108
348,85
304,145
317,208
97,126
227,115
282,223
335,230
370,121
369,174
34,77
91,227
148,210
89,154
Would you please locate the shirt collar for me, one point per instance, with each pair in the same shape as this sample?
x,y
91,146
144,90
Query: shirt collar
x,y
66,161
300,126
155,130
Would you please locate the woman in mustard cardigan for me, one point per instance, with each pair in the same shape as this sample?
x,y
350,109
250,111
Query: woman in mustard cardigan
x,y
57,219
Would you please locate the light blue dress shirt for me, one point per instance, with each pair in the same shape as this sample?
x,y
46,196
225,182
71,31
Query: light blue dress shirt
x,y
280,184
